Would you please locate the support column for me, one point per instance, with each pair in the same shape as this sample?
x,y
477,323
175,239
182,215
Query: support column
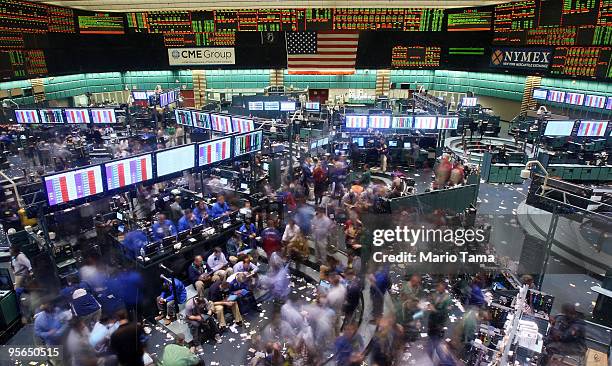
x,y
383,81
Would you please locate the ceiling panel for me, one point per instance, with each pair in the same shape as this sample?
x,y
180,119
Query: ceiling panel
x,y
152,5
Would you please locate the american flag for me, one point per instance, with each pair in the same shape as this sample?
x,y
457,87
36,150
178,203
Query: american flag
x,y
322,53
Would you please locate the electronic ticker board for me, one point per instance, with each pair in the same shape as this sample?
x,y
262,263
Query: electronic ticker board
x,y
415,56
469,20
101,23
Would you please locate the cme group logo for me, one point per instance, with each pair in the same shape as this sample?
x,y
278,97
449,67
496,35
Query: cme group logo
x,y
176,54
497,57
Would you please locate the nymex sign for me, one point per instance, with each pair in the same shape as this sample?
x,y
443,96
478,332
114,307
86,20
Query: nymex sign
x,y
201,56
521,58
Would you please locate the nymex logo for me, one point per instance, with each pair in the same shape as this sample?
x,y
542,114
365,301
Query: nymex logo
x,y
521,58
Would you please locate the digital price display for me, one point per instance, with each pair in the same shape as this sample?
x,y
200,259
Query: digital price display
x,y
51,116
77,116
27,116
73,185
581,61
23,16
595,101
469,20
401,122
205,39
242,125
183,117
469,102
425,123
247,143
61,20
201,120
168,22
103,116
553,36
221,123
379,122
287,106
140,95
312,106
125,172
175,160
448,123
559,128
356,121
512,20
101,23
540,94
574,98
271,106
211,152
415,56
592,128
256,106
394,19
556,96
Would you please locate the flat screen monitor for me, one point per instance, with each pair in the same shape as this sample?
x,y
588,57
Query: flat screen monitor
x,y
392,143
172,96
247,143
201,120
51,116
140,95
174,160
323,142
359,141
407,145
556,96
105,115
540,94
448,123
559,128
73,185
469,102
574,98
380,122
595,101
425,123
183,117
609,103
240,124
312,106
401,122
163,99
265,166
221,123
256,106
356,121
77,116
271,106
223,181
125,172
287,106
211,152
592,128
244,186
27,116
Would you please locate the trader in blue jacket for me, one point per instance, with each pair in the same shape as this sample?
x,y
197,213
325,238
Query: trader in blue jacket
x,y
201,212
165,301
220,208
163,228
134,241
188,221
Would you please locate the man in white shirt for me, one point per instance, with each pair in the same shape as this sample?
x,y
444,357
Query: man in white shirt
x,y
218,264
291,230
22,268
321,228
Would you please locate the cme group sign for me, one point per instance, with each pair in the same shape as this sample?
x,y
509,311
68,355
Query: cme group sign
x,y
202,56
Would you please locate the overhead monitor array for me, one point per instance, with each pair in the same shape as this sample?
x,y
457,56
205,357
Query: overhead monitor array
x,y
76,185
573,98
66,115
583,128
401,122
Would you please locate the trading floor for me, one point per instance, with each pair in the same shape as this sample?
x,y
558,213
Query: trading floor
x,y
203,184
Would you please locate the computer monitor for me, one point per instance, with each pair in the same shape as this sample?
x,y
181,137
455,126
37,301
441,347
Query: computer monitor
x,y
559,128
609,103
574,98
51,116
119,216
211,152
265,166
27,116
183,117
592,128
381,122
175,160
168,241
271,106
425,122
240,124
201,120
77,116
223,181
183,235
407,145
197,229
469,102
221,123
247,143
595,101
73,185
401,122
256,106
151,249
556,96
352,121
448,123
287,106
392,143
126,172
312,106
103,115
540,94
359,141
140,95
244,186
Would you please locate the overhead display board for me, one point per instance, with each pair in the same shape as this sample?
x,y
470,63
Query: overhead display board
x,y
221,123
175,160
77,116
469,20
211,152
592,128
27,116
401,122
595,101
103,115
248,143
447,123
582,61
425,122
201,120
559,128
379,122
184,117
415,56
54,115
73,185
352,121
574,98
101,23
125,172
242,124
